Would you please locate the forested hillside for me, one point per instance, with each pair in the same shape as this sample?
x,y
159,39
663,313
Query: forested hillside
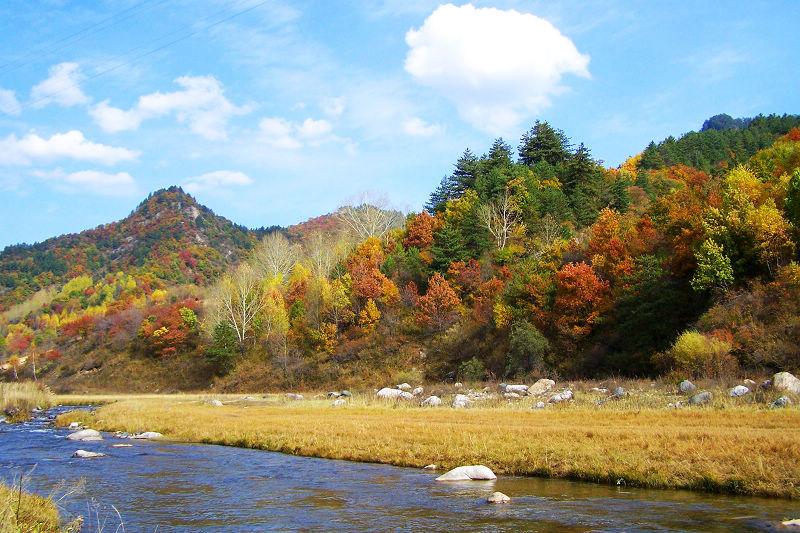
x,y
169,238
528,259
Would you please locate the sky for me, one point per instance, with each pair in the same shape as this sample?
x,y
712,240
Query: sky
x,y
272,112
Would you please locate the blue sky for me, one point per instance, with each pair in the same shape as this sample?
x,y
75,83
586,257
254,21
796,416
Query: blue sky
x,y
273,112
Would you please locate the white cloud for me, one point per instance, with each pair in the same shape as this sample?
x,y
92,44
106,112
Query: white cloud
x,y
62,87
217,180
9,103
416,127
498,66
69,145
281,133
91,181
333,107
201,104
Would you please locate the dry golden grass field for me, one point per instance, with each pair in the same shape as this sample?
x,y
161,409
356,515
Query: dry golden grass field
x,y
737,446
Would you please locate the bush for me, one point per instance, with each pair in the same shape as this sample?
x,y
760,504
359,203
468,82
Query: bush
x,y
472,370
702,356
527,347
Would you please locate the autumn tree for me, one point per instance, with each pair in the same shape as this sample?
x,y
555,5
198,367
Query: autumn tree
x,y
581,298
369,216
440,305
237,299
275,255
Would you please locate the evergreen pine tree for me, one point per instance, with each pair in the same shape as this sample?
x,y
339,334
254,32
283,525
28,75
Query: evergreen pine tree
x,y
543,143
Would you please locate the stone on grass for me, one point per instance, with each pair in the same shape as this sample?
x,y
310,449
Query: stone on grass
x,y
468,473
432,401
293,396
85,435
404,387
786,381
517,389
215,403
417,391
619,392
147,435
511,396
83,454
338,402
701,398
738,390
460,401
389,393
498,497
74,426
686,386
749,382
334,394
458,384
563,396
346,394
783,401
539,405
599,390
430,467
541,387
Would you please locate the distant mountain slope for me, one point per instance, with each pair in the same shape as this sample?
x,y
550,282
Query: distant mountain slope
x,y
723,142
169,235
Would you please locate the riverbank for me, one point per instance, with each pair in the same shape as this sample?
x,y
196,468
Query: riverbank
x,y
18,400
23,512
731,447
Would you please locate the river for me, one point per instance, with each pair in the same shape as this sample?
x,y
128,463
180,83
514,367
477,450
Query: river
x,y
164,487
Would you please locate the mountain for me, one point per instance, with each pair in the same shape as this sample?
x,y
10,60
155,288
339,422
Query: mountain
x,y
169,236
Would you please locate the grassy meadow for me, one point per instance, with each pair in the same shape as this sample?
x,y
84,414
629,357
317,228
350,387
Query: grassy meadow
x,y
734,445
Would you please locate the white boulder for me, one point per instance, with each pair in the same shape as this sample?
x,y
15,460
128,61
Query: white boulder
x,y
738,390
338,402
417,391
786,381
430,467
686,386
74,426
83,454
294,396
389,393
511,396
458,385
541,387
404,387
563,396
518,389
460,401
468,473
215,403
539,405
148,435
85,435
432,401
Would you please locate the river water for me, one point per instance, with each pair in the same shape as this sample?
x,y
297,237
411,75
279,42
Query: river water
x,y
165,487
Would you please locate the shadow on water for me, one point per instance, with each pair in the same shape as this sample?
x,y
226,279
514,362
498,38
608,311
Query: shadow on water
x,y
187,487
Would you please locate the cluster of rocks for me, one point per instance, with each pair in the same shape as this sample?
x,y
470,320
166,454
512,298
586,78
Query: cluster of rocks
x,y
782,381
473,473
80,434
404,391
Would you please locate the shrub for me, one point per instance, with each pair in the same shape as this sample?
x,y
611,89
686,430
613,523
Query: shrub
x,y
527,347
472,370
702,356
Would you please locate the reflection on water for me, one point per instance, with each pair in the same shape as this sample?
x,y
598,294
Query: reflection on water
x,y
184,487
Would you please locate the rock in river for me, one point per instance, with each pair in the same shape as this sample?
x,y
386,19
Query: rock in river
x,y
498,497
148,435
85,435
83,454
701,398
786,381
468,473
